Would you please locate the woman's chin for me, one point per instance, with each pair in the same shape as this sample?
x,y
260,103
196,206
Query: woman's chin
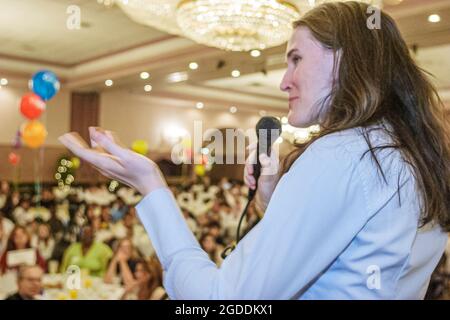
x,y
299,121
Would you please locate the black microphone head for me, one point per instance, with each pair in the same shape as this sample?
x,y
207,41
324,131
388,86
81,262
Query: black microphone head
x,y
268,129
268,123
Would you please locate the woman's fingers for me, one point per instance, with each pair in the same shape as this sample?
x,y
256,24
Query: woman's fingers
x,y
249,163
114,137
251,160
250,181
110,134
78,146
94,144
107,143
269,165
248,168
74,143
252,146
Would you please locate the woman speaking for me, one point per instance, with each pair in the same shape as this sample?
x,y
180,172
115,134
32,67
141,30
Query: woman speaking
x,y
359,212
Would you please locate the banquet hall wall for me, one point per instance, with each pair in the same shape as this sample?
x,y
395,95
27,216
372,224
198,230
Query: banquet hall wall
x,y
132,116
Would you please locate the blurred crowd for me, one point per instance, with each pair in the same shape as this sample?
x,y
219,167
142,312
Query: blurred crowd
x,y
97,229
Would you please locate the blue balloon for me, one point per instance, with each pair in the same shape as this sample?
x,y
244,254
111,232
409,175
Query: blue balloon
x,y
45,84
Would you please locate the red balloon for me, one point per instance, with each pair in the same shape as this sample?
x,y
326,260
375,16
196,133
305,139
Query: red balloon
x,y
32,106
14,158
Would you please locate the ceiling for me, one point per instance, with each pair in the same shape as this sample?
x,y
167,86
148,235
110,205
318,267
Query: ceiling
x,y
111,46
37,30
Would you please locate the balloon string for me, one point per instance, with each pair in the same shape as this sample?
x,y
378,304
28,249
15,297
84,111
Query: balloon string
x,y
36,178
16,177
39,161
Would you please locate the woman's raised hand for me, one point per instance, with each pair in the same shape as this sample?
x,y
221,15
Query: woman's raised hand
x,y
115,161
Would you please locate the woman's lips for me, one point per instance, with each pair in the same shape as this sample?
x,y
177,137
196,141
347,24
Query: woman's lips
x,y
292,100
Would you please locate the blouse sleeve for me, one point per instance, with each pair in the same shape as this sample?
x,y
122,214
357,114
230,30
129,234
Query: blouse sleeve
x,y
316,210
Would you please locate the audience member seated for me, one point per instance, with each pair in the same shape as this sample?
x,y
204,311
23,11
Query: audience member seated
x,y
214,250
29,283
18,241
87,254
6,226
147,282
47,198
9,200
43,241
214,230
130,227
123,264
22,214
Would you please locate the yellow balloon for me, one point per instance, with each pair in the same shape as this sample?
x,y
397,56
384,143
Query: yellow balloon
x,y
75,162
199,170
186,143
34,134
140,146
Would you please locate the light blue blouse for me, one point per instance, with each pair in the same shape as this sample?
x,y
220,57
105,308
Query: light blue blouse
x,y
334,229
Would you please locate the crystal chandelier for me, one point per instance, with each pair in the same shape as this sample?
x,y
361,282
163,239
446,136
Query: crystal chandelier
x,y
237,25
160,14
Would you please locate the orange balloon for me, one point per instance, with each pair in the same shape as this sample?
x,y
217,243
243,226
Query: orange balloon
x,y
34,134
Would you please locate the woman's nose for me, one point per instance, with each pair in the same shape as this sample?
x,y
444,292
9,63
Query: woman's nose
x,y
285,84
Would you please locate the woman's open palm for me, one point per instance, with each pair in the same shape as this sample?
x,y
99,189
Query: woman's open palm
x,y
115,161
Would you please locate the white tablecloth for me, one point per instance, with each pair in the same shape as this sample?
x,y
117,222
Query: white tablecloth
x,y
55,288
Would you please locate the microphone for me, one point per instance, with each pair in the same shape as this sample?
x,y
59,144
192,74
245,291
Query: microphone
x,y
268,129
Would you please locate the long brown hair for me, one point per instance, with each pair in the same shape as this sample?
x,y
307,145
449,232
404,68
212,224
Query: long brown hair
x,y
10,246
378,82
154,269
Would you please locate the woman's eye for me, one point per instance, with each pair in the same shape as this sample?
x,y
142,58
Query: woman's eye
x,y
296,59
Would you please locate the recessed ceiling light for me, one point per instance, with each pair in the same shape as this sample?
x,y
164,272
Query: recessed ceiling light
x,y
255,53
199,105
434,18
108,3
148,88
145,75
235,73
233,109
109,83
177,77
392,2
3,81
284,120
193,65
